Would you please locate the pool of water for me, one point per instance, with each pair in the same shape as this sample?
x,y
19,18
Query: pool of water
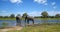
x,y
13,22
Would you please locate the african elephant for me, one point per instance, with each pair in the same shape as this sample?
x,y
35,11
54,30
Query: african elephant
x,y
29,18
18,20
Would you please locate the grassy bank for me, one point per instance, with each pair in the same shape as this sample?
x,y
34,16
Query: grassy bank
x,y
40,28
47,18
34,18
7,19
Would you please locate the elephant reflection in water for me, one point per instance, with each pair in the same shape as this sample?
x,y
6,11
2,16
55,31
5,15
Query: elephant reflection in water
x,y
29,18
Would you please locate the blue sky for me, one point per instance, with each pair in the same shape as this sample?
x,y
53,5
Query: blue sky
x,y
32,7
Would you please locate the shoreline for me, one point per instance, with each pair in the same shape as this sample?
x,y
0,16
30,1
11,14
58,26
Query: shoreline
x,y
11,28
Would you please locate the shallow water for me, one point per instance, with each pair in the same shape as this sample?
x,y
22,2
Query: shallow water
x,y
13,22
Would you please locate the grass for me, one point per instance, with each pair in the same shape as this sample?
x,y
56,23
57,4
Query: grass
x,y
47,18
39,28
7,19
34,18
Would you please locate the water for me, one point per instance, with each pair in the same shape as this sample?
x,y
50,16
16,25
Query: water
x,y
13,22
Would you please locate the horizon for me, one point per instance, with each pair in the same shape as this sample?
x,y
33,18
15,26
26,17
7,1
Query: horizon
x,y
31,7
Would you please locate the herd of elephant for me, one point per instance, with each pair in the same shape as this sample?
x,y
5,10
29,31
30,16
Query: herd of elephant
x,y
27,19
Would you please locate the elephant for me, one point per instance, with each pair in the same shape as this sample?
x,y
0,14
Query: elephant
x,y
18,20
29,18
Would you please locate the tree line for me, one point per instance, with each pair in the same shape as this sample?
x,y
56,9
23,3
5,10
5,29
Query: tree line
x,y
43,15
46,15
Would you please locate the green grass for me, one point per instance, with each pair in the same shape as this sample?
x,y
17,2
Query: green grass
x,y
40,28
7,19
34,18
47,18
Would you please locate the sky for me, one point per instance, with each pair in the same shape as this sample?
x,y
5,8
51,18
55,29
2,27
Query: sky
x,y
31,7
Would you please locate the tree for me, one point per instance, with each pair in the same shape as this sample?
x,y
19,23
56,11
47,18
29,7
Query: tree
x,y
12,15
5,16
1,16
57,15
44,14
18,15
24,15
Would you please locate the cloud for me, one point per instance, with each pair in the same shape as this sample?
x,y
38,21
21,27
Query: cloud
x,y
3,11
34,13
41,1
53,3
45,4
53,13
16,1
54,7
38,13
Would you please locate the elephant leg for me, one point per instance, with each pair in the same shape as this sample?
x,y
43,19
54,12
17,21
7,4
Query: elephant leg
x,y
18,22
27,21
33,21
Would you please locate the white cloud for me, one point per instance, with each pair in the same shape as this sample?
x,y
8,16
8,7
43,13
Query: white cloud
x,y
54,7
53,3
53,13
41,1
16,1
34,13
3,11
45,4
38,13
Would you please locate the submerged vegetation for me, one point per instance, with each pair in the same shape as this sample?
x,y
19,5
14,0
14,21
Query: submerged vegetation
x,y
4,25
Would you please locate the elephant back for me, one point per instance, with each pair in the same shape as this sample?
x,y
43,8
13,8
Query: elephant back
x,y
30,17
19,17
